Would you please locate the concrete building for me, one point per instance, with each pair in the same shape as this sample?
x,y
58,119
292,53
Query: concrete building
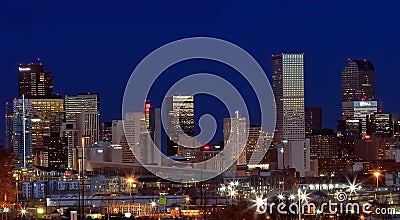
x,y
288,87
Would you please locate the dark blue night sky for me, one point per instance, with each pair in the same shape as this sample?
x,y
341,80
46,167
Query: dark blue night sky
x,y
95,45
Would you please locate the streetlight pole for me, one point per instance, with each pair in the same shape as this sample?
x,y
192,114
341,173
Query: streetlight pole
x,y
299,210
83,174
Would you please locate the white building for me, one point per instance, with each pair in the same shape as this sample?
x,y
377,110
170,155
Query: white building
x,y
235,139
288,87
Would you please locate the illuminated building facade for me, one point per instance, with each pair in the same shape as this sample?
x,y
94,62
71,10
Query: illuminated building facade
x,y
323,144
87,124
180,110
358,110
33,81
47,117
80,103
358,81
18,132
380,125
288,87
313,118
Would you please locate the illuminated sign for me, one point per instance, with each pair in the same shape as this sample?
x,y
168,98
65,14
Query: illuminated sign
x,y
24,68
366,104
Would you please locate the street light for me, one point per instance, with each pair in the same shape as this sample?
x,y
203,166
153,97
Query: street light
x,y
130,181
83,174
377,174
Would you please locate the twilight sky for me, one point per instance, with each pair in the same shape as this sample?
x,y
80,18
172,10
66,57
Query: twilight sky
x,y
95,45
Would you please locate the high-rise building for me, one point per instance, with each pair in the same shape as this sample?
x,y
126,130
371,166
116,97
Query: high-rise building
x,y
396,128
134,124
33,81
106,131
358,81
47,118
323,144
251,144
57,151
180,119
22,132
380,125
70,135
313,118
117,131
87,124
288,87
80,103
235,140
9,125
358,110
348,131
154,124
139,138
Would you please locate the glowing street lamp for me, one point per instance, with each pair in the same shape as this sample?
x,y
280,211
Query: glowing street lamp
x,y
377,174
130,181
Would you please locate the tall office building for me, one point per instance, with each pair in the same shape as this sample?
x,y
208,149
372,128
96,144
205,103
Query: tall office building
x,y
139,138
288,87
22,146
380,125
134,124
87,124
348,131
9,125
251,143
235,139
323,144
33,81
359,110
47,118
358,81
180,115
105,131
313,118
358,91
117,131
70,135
80,103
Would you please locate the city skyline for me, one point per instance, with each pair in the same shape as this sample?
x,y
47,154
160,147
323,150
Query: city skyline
x,y
199,110
82,55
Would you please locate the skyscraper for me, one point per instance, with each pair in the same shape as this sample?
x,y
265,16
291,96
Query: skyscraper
x,y
87,124
47,117
235,139
80,103
180,115
33,81
288,87
21,132
313,119
380,125
359,110
358,81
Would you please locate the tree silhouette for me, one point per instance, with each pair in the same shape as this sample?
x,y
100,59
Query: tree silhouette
x,y
7,191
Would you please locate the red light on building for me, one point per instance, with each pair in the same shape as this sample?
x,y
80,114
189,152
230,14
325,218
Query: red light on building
x,y
206,147
367,136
